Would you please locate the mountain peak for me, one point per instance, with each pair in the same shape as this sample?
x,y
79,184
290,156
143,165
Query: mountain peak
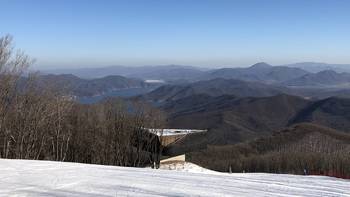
x,y
328,72
261,65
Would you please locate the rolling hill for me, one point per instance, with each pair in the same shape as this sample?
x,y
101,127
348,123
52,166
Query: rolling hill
x,y
315,67
166,72
91,87
214,87
322,78
232,120
301,148
261,72
331,112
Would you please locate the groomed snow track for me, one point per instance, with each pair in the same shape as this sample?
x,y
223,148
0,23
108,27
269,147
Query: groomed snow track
x,y
45,178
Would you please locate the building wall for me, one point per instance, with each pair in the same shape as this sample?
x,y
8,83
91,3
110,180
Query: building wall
x,y
179,158
166,140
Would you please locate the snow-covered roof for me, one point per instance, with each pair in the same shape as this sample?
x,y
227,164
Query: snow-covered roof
x,y
170,132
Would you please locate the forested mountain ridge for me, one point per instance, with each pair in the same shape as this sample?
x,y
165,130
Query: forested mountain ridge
x,y
90,87
261,72
232,120
299,149
214,87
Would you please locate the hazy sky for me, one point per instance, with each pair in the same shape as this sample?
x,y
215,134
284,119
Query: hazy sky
x,y
74,33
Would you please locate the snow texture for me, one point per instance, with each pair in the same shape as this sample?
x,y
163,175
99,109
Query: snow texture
x,y
45,178
186,167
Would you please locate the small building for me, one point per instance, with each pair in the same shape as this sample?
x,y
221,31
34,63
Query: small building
x,y
167,137
170,136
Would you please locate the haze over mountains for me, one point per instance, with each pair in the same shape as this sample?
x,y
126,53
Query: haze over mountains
x,y
294,74
315,67
236,104
281,75
260,79
92,87
167,72
173,72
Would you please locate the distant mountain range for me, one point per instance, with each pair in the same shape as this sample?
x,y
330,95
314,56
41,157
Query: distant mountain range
x,y
242,108
261,72
300,74
283,75
322,78
315,67
259,80
166,73
92,87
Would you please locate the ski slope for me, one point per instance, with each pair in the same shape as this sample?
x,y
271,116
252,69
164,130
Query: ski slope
x,y
45,178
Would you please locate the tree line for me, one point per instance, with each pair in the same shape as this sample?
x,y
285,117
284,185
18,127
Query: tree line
x,y
302,149
45,123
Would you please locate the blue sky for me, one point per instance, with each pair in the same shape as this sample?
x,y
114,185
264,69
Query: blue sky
x,y
216,33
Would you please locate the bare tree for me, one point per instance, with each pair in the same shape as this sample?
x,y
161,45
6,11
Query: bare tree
x,y
12,66
30,115
39,121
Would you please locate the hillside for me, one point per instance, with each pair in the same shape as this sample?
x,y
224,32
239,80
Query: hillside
x,y
214,87
230,119
317,149
322,78
332,112
91,87
44,178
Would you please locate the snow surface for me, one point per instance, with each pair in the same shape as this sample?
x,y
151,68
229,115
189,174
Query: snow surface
x,y
45,178
186,167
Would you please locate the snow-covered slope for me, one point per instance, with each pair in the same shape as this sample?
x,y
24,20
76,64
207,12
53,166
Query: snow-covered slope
x,y
186,167
43,178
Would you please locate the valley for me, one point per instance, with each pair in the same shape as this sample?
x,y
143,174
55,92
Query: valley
x,y
175,82
242,106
